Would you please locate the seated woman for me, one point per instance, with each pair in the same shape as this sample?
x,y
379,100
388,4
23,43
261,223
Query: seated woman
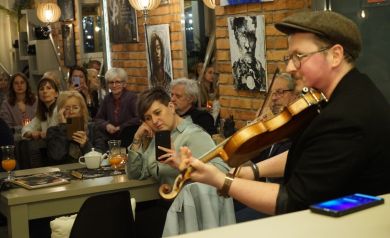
x,y
117,113
61,150
209,94
96,91
20,106
157,114
46,114
78,80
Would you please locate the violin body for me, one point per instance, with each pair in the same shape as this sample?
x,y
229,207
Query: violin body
x,y
248,142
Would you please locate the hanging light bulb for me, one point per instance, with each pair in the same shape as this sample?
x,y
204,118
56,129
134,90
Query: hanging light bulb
x,y
48,12
363,14
141,5
209,3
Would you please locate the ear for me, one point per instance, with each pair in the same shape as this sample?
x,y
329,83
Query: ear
x,y
171,107
337,55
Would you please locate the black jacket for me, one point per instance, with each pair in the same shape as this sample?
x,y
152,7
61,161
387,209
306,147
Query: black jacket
x,y
344,150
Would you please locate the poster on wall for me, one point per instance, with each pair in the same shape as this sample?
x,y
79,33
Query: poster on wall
x,y
122,22
159,56
247,51
69,44
236,2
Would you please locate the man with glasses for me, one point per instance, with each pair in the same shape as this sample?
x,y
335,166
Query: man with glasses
x,y
117,114
343,150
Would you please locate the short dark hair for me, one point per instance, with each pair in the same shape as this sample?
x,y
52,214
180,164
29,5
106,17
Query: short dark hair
x,y
148,97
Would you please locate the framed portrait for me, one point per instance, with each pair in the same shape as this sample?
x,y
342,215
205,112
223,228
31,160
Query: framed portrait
x,y
236,2
247,52
69,44
159,56
67,10
122,22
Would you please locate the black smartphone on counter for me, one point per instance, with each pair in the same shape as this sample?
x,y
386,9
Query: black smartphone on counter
x,y
162,138
346,205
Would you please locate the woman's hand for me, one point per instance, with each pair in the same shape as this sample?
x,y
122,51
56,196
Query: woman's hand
x,y
80,137
170,157
62,115
143,130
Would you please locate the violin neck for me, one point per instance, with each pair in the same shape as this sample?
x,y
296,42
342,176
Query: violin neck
x,y
215,152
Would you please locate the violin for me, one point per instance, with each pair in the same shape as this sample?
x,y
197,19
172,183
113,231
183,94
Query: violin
x,y
248,142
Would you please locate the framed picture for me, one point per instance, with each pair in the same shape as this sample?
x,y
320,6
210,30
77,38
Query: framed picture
x,y
247,51
236,2
67,10
122,22
159,56
69,44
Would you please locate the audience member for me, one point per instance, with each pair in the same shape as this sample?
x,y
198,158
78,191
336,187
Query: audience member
x,y
53,75
6,137
61,150
342,150
117,113
184,94
158,113
4,79
78,80
46,114
95,64
97,92
20,106
209,93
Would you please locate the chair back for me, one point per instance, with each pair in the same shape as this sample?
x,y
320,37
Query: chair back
x,y
106,215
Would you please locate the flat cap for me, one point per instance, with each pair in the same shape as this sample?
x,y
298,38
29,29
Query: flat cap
x,y
333,26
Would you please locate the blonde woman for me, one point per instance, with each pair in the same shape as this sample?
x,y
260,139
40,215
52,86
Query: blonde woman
x,y
60,149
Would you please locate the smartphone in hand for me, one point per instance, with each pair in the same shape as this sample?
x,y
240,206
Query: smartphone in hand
x,y
162,138
74,124
346,205
76,81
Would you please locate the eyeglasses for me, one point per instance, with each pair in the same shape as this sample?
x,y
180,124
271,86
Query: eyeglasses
x,y
114,82
297,58
280,92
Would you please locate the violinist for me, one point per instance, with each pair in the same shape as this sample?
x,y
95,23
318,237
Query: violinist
x,y
343,150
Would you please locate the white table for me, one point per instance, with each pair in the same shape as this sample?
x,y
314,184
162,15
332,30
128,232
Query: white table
x,y
372,222
20,205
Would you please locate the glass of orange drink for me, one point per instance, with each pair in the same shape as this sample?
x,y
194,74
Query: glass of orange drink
x,y
8,162
117,159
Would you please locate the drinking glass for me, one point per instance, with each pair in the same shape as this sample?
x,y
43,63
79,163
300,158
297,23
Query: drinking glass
x,y
117,156
8,162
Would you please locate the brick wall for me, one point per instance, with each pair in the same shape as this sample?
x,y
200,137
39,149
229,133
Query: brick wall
x,y
239,103
243,104
132,56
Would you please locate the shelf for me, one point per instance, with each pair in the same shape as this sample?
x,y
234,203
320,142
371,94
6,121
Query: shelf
x,y
44,59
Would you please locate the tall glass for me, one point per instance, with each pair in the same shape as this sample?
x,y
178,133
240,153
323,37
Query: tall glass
x,y
8,162
117,157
